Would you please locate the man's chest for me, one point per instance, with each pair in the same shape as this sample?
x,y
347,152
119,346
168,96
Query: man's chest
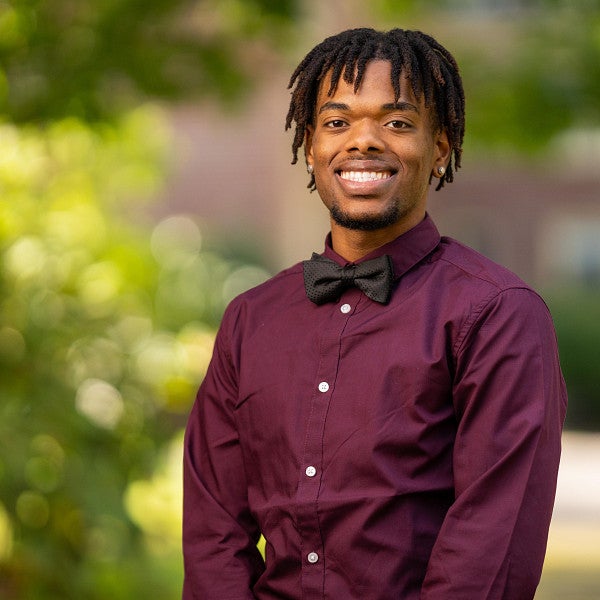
x,y
355,391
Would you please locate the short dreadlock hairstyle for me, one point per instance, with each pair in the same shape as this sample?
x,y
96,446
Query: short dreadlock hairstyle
x,y
426,64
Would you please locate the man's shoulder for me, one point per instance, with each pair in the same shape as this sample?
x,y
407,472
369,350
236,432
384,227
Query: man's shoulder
x,y
480,287
476,267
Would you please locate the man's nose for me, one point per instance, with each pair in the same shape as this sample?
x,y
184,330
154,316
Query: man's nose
x,y
365,137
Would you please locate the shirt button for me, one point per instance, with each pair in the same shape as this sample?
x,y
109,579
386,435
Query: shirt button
x,y
313,557
323,386
345,308
311,471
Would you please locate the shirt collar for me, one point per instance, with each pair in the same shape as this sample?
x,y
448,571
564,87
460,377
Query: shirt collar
x,y
406,250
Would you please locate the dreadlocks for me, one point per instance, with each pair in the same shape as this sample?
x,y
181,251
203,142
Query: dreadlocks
x,y
427,65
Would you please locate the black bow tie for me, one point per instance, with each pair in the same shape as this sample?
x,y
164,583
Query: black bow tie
x,y
325,280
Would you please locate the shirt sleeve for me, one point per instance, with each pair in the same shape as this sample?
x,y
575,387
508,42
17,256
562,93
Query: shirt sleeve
x,y
510,403
221,561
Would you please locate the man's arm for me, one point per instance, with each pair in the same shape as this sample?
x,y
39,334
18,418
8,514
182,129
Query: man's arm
x,y
510,402
221,560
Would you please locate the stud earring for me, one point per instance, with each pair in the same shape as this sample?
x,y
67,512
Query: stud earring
x,y
441,171
310,169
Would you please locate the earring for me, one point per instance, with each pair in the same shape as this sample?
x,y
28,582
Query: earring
x,y
441,171
310,169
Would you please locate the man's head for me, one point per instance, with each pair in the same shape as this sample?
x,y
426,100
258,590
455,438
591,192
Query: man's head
x,y
415,57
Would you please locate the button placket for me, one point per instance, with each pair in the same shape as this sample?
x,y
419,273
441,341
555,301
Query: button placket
x,y
309,485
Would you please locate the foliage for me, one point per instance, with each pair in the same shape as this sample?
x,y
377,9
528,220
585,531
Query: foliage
x,y
105,327
95,59
576,312
543,79
105,333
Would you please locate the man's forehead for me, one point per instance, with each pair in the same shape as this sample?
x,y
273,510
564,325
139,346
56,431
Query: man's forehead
x,y
376,71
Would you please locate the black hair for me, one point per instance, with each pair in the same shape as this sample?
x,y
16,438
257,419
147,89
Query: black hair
x,y
426,64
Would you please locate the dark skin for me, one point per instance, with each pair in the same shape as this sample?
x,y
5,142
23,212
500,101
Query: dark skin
x,y
373,158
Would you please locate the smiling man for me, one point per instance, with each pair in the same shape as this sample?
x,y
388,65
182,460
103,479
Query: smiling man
x,y
388,413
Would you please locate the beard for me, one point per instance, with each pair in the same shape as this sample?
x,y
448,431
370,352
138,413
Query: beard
x,y
365,222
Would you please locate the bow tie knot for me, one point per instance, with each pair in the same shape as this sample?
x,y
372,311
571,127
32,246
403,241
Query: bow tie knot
x,y
325,280
348,273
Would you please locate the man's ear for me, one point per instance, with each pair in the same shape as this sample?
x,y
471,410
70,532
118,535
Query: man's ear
x,y
308,149
442,152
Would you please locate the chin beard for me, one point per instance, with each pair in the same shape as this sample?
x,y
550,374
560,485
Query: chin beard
x,y
365,222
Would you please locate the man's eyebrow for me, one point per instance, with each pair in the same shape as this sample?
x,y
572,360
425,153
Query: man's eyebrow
x,y
401,105
333,106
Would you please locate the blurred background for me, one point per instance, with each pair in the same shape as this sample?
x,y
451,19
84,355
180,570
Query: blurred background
x,y
145,180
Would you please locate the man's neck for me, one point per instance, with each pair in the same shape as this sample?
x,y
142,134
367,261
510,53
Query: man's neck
x,y
353,244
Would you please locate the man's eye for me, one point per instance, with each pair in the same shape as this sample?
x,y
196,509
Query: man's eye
x,y
398,125
335,123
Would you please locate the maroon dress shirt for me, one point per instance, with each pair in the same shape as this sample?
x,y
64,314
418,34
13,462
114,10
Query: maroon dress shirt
x,y
402,451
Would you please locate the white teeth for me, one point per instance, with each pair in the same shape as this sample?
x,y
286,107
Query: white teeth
x,y
364,175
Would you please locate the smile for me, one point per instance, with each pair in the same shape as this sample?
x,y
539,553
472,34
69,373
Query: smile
x,y
361,176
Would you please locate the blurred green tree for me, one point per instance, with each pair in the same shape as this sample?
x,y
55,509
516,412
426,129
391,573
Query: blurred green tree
x,y
542,78
106,326
576,311
105,332
95,59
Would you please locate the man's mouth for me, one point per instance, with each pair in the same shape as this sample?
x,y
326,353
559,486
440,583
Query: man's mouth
x,y
363,176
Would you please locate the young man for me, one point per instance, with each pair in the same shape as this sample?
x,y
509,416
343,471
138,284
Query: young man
x,y
388,414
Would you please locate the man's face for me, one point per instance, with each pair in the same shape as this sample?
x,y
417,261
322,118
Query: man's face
x,y
373,156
